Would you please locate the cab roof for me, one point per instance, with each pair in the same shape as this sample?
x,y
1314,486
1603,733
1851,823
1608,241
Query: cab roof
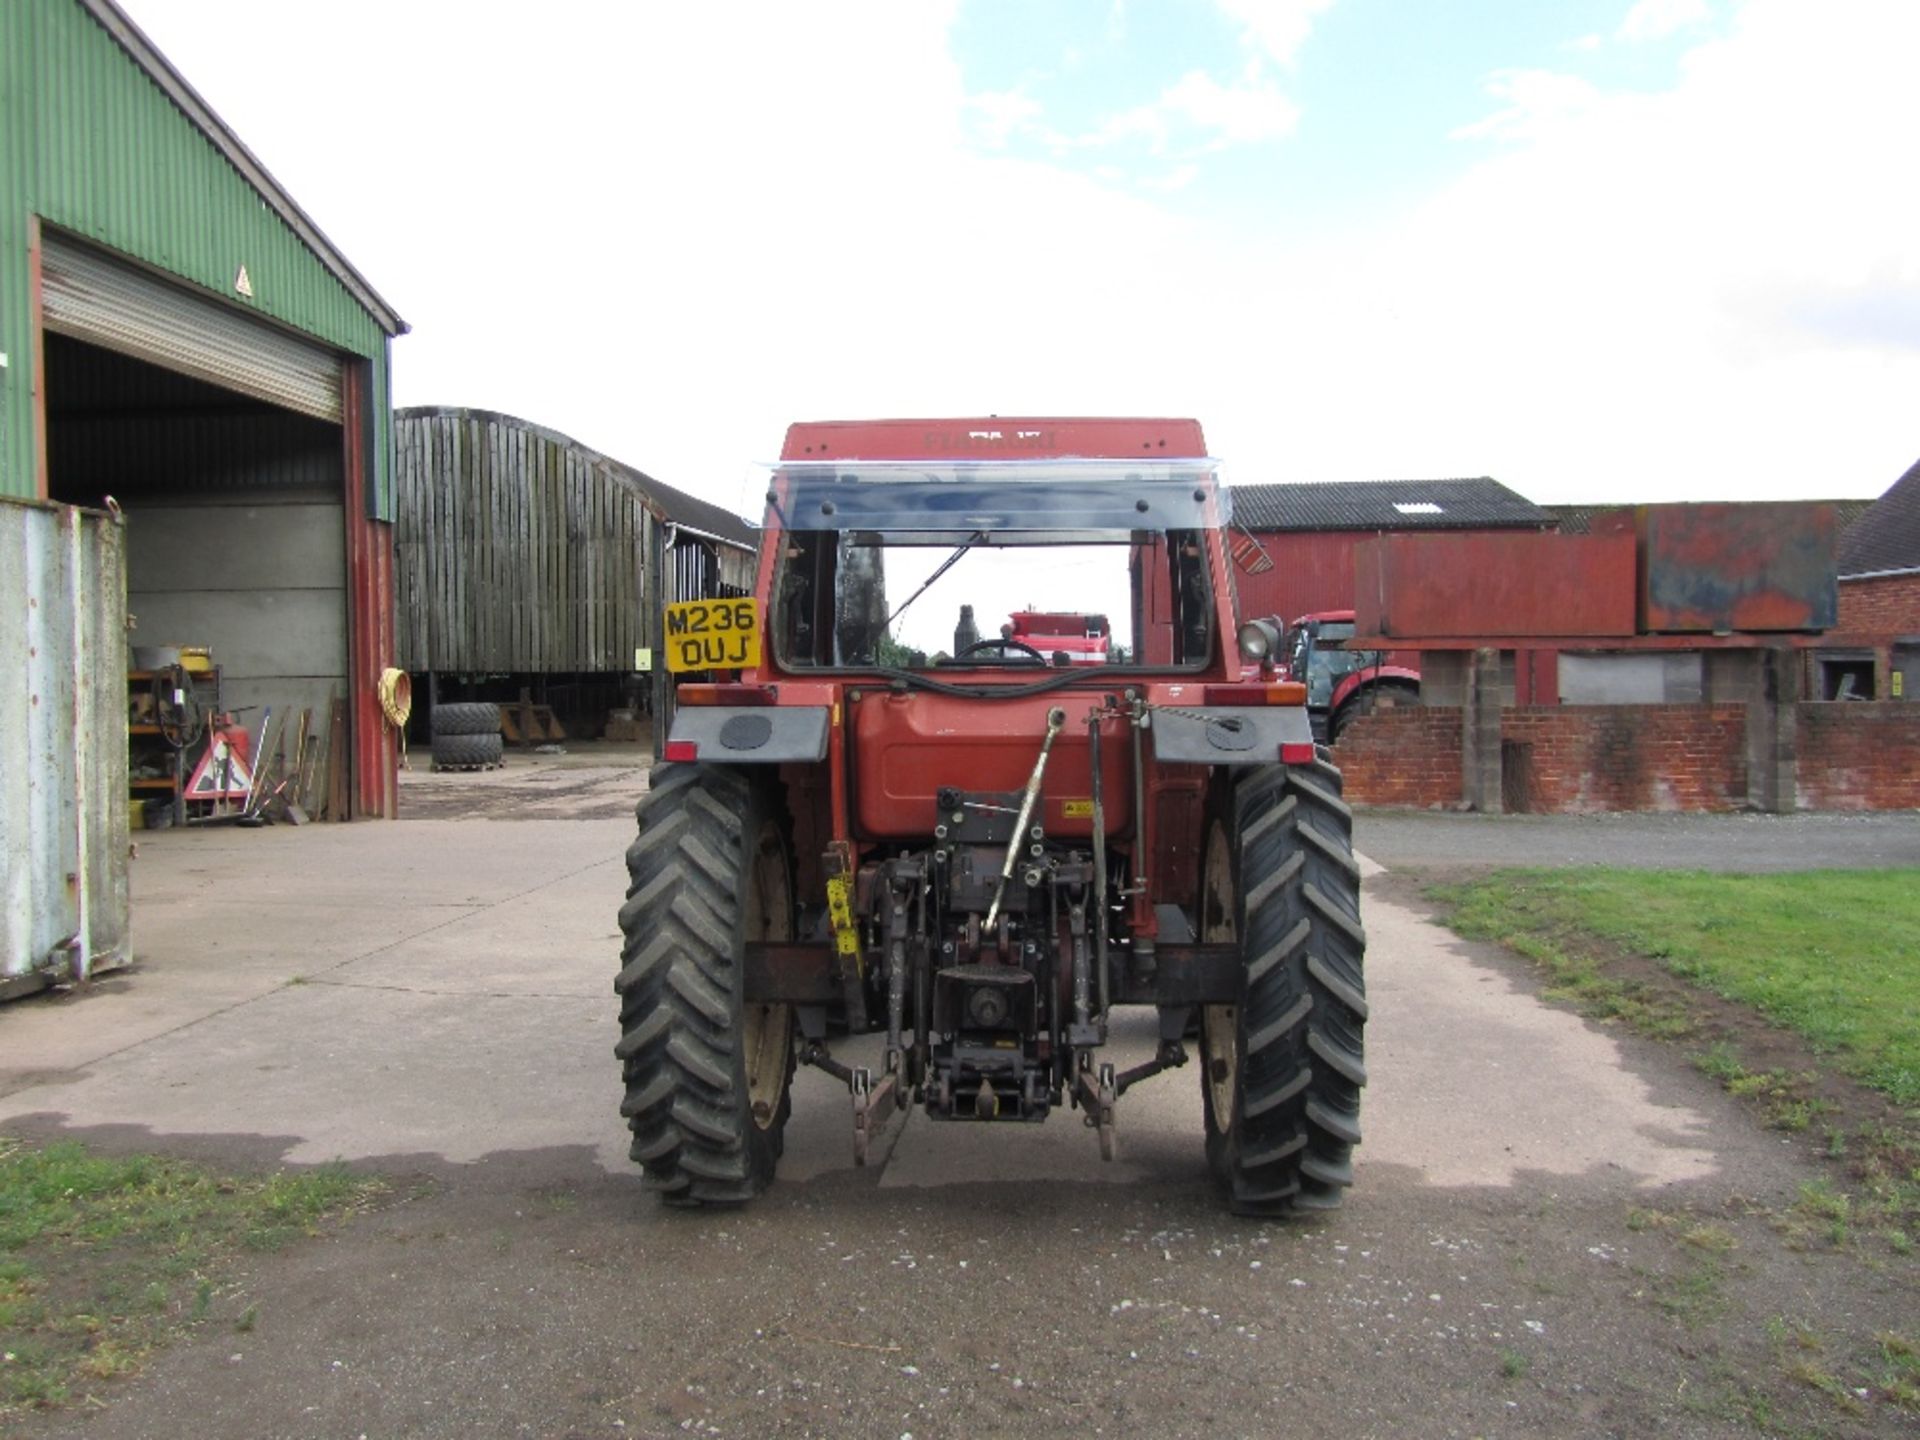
x,y
994,437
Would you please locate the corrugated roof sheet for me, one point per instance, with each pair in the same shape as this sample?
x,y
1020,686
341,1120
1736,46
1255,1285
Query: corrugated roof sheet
x,y
1577,519
1887,536
1475,504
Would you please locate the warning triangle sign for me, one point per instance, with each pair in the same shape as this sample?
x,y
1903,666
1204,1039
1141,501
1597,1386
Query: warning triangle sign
x,y
221,774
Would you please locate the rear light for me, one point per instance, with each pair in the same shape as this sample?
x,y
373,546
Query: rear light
x,y
1291,753
704,694
682,750
1281,692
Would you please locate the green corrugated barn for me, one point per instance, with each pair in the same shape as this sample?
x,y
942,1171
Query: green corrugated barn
x,y
179,335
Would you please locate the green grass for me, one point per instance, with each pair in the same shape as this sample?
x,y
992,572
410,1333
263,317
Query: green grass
x,y
1832,955
105,1258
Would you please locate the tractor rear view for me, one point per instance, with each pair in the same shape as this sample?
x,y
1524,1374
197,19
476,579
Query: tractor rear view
x,y
983,854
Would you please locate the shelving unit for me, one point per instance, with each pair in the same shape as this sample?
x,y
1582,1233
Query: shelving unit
x,y
147,744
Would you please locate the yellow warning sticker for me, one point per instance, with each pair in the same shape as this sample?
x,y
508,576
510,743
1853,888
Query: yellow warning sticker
x,y
840,915
1077,809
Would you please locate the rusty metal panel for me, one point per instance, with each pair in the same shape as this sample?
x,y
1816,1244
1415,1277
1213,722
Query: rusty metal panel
x,y
1726,567
1514,584
1312,570
64,907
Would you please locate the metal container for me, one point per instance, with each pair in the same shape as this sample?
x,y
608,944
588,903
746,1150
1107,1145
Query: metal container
x,y
1723,567
1494,585
64,907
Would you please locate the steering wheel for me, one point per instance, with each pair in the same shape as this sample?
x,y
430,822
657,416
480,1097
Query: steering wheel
x,y
1004,645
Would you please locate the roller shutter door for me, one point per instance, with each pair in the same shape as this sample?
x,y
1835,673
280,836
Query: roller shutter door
x,y
89,296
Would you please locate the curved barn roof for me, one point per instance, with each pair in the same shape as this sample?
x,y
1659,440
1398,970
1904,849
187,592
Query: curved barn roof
x,y
664,500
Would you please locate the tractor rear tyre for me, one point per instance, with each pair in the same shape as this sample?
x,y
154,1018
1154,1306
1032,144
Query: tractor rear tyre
x,y
1284,1067
1380,695
706,1073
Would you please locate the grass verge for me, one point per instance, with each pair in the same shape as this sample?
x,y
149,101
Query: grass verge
x,y
103,1259
1831,958
1832,955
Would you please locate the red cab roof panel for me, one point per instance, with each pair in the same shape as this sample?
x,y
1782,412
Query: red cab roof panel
x,y
995,437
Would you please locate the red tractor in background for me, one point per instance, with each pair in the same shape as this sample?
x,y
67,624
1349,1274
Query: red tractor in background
x,y
1344,684
1083,639
981,855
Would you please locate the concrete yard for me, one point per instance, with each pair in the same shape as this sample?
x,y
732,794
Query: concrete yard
x,y
432,999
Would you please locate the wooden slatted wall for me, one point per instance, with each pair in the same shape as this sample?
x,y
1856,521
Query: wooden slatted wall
x,y
515,552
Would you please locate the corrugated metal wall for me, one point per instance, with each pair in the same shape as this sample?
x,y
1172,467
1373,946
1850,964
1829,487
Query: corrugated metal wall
x,y
91,144
63,789
1312,570
515,551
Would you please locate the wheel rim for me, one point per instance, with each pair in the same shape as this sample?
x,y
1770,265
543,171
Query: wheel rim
x,y
1219,1024
767,1030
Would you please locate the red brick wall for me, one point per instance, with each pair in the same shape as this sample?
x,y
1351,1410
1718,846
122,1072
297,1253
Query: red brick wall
x,y
1578,758
1855,756
1880,607
1585,758
1589,758
1407,755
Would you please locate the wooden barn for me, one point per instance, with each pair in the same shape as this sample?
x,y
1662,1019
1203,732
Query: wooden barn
x,y
529,567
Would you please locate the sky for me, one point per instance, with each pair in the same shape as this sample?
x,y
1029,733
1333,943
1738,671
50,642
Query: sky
x,y
1601,250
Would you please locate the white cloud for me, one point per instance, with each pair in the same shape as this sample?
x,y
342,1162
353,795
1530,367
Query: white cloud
x,y
999,115
1276,28
1536,102
1176,179
1199,112
1657,19
1675,295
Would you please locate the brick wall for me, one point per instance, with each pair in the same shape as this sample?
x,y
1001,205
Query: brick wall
x,y
1574,759
1889,606
1579,759
1855,756
1405,755
1567,759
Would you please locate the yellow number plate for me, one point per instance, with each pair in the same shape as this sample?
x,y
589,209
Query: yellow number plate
x,y
713,635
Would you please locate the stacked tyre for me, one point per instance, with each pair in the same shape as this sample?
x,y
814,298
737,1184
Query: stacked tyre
x,y
466,736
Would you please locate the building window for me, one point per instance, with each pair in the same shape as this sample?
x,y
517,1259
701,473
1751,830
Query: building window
x,y
1846,677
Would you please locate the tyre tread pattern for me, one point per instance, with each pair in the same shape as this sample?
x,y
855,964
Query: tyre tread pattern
x,y
466,717
1304,1010
461,752
693,1132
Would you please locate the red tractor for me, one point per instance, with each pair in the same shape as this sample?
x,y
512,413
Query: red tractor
x,y
1343,683
1083,639
983,854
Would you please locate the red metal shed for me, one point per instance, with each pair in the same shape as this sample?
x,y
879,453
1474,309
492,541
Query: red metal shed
x,y
1309,532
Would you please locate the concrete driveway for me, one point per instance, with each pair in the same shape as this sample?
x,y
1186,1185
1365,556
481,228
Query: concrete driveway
x,y
434,998
441,990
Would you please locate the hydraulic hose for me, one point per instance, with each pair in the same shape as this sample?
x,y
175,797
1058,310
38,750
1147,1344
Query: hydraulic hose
x,y
396,703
